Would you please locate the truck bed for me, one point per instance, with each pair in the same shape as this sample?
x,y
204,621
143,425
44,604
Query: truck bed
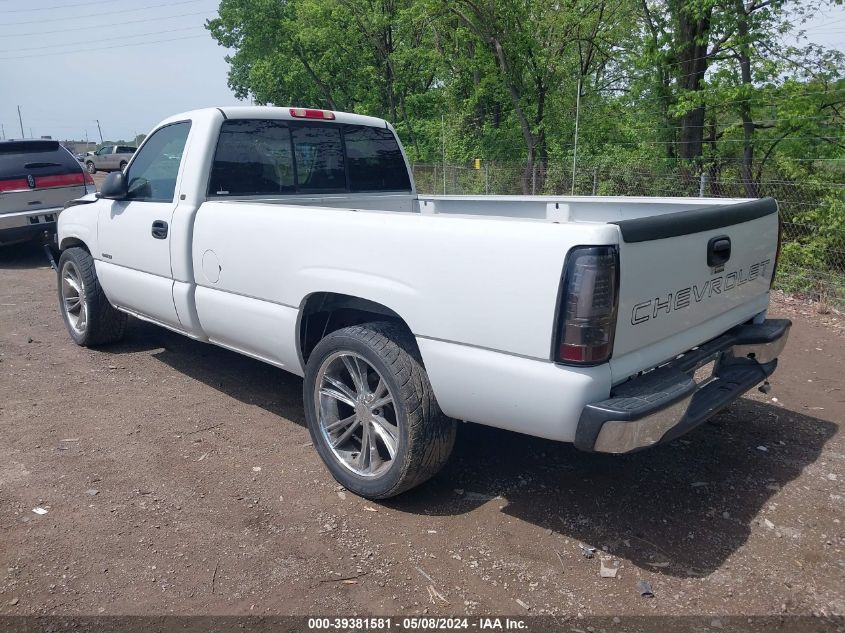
x,y
566,208
546,208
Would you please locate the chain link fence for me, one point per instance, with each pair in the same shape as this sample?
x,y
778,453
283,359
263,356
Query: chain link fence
x,y
812,263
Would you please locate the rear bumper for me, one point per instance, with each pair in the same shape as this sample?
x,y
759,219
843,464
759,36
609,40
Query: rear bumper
x,y
24,225
669,401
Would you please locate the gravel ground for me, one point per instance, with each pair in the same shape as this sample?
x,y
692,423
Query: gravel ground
x,y
178,477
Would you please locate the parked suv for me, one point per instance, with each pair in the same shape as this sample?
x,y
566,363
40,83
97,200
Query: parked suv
x,y
36,179
109,158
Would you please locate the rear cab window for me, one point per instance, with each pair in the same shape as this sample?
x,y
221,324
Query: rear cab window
x,y
37,164
272,156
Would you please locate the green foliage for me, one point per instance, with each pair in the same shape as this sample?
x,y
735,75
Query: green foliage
x,y
669,89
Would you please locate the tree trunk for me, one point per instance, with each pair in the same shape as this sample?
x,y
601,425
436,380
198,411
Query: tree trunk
x,y
527,134
744,58
691,40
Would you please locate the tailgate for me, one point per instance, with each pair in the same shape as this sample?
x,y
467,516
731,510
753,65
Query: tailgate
x,y
43,197
687,277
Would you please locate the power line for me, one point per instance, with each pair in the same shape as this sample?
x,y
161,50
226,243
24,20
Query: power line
x,y
725,125
836,139
101,39
94,27
707,144
102,48
60,6
709,92
95,15
805,27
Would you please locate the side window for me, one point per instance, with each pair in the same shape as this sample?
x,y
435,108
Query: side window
x,y
319,158
253,157
103,151
375,160
152,176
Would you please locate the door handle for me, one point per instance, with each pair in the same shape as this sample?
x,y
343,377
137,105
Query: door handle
x,y
159,229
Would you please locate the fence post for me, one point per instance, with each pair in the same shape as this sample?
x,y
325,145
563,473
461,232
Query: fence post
x,y
533,178
702,186
595,179
486,178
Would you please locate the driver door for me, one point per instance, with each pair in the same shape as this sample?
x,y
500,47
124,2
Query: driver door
x,y
101,157
134,233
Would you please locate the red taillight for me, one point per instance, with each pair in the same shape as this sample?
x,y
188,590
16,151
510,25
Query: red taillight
x,y
60,180
14,184
46,182
588,302
89,179
310,113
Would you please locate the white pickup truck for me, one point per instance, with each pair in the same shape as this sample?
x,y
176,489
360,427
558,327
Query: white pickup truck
x,y
296,236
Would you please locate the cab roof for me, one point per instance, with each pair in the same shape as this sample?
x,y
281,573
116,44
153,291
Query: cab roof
x,y
276,112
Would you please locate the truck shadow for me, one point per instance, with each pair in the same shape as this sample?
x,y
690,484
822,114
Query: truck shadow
x,y
22,256
245,379
680,510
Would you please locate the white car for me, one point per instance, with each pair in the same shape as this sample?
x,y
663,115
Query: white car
x,y
296,236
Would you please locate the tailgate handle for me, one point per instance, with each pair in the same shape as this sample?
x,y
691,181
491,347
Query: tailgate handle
x,y
718,250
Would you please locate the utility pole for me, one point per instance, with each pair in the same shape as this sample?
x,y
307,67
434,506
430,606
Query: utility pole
x,y
575,148
20,120
99,130
3,128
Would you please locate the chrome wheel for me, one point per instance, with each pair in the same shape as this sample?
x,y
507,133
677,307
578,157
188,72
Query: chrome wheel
x,y
357,414
73,298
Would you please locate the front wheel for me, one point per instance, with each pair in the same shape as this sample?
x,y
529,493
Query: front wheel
x,y
371,411
90,167
89,317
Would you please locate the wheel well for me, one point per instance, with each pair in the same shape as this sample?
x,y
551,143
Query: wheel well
x,y
326,312
71,242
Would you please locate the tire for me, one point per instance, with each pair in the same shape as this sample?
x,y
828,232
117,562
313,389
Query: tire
x,y
424,436
122,165
91,321
90,167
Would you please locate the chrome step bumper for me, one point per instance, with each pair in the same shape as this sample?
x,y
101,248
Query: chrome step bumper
x,y
665,403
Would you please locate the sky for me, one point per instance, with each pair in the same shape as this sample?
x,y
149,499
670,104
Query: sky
x,y
128,63
131,63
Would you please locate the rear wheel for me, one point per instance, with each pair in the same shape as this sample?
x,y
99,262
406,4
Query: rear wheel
x,y
371,411
90,167
89,317
122,165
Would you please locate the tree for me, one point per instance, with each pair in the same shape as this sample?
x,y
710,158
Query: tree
x,y
538,48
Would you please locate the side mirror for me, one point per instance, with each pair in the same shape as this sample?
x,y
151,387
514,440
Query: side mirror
x,y
114,186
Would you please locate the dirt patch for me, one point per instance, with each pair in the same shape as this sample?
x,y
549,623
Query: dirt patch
x,y
179,478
